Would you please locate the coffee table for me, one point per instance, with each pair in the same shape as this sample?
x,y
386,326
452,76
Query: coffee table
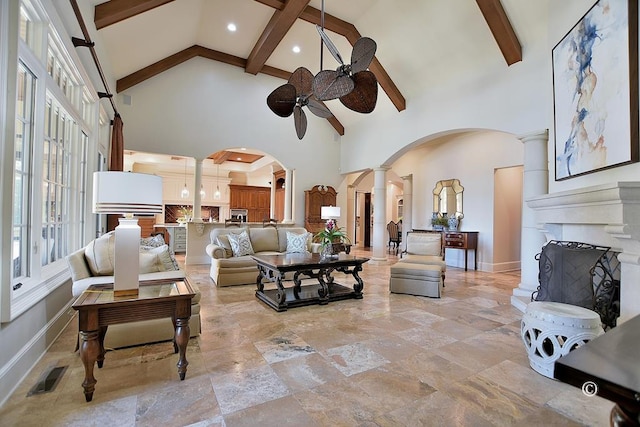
x,y
274,267
98,308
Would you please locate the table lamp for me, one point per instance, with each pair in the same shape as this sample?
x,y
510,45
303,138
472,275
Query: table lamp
x,y
329,212
126,193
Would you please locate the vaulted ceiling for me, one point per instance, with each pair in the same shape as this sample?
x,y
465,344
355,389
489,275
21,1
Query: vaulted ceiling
x,y
144,38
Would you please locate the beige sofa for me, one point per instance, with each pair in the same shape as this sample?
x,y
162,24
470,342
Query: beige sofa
x,y
229,270
93,264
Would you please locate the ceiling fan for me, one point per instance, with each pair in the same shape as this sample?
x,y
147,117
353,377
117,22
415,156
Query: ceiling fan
x,y
295,94
353,84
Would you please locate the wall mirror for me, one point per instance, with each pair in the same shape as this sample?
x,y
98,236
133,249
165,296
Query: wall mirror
x,y
447,198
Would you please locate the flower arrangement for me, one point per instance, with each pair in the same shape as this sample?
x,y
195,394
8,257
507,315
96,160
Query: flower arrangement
x,y
331,234
186,213
439,220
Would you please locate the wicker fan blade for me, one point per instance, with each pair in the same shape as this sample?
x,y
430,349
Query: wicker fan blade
x,y
282,100
329,84
300,120
363,52
318,108
329,44
364,95
302,80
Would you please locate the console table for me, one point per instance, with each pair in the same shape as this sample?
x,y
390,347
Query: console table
x,y
463,240
274,267
98,308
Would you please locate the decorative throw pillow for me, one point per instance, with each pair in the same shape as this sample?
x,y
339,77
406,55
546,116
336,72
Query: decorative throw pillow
x,y
99,255
240,244
160,256
296,243
153,241
223,242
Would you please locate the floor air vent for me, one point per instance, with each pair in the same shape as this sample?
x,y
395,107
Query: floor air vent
x,y
48,381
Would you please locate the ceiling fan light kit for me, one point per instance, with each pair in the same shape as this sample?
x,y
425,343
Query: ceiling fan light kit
x,y
353,84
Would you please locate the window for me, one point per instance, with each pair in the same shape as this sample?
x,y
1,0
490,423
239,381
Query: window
x,y
22,155
57,149
56,132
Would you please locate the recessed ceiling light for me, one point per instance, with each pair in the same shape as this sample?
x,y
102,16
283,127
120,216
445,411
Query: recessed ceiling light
x,y
296,49
239,158
231,27
243,149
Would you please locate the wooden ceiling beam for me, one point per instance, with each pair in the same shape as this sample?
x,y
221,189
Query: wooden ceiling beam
x,y
196,50
501,29
113,11
278,26
349,31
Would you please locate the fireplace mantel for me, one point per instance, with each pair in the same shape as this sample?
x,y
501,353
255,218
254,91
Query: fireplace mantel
x,y
607,215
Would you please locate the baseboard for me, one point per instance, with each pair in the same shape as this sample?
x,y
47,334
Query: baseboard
x,y
20,365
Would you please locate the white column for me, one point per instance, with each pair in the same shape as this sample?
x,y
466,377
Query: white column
x,y
197,199
272,205
379,215
288,196
407,210
351,213
535,183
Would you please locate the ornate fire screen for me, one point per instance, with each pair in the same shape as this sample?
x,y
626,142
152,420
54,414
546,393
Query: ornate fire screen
x,y
580,274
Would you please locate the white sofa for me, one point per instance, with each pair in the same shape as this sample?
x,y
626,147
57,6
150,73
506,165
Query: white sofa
x,y
93,264
229,270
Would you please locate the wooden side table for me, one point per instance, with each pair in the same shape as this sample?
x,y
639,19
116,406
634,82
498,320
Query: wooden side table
x,y
98,308
463,240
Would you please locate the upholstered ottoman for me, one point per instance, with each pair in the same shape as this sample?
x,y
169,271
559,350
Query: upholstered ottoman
x,y
550,330
416,279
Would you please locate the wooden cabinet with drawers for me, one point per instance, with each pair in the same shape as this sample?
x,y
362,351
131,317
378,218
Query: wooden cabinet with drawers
x,y
463,240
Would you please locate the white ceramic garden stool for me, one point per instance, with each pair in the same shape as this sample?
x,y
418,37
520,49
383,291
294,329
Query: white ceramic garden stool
x,y
550,330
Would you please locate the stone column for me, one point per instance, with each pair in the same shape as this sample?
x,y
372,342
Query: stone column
x,y
407,210
535,183
288,196
379,215
197,199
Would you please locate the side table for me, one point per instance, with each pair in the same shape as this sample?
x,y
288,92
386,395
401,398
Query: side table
x,y
98,308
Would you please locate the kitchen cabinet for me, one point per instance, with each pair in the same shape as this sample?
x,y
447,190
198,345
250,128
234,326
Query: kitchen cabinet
x,y
256,200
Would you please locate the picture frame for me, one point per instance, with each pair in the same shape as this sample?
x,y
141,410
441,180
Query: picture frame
x,y
595,91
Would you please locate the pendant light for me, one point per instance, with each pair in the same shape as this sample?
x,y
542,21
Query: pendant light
x,y
185,191
216,195
202,193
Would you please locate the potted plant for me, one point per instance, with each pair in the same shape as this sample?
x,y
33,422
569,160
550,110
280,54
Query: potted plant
x,y
331,238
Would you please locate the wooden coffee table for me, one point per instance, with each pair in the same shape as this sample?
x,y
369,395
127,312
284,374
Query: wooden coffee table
x,y
98,308
274,267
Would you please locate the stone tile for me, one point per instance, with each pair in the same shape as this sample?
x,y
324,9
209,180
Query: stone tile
x,y
306,372
587,410
282,412
282,347
248,388
353,358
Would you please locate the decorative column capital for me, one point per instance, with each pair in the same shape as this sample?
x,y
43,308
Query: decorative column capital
x,y
534,136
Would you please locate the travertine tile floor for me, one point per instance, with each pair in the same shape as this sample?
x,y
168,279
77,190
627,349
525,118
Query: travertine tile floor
x,y
385,360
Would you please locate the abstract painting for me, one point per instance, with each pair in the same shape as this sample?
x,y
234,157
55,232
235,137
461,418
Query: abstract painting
x,y
595,91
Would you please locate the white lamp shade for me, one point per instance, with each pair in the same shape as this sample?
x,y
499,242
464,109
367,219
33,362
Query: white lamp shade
x,y
329,212
126,192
